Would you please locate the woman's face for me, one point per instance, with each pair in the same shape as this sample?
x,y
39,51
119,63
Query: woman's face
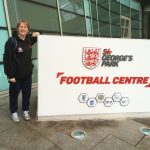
x,y
22,29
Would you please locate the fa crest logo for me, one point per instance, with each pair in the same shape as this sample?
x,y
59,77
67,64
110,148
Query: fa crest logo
x,y
91,57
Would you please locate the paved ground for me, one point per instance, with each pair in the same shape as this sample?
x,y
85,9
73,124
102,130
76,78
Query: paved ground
x,y
121,134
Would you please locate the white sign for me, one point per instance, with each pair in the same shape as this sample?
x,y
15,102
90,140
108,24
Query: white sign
x,y
80,75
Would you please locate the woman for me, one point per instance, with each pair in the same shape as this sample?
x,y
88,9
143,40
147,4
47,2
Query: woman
x,y
18,67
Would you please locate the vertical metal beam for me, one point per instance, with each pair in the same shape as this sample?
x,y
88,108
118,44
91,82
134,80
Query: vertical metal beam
x,y
91,17
109,19
16,11
140,24
130,23
59,16
97,19
7,18
85,16
120,21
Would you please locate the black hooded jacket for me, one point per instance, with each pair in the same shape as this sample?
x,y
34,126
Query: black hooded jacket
x,y
17,56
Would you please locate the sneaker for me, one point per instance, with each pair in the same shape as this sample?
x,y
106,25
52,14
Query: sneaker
x,y
15,117
26,115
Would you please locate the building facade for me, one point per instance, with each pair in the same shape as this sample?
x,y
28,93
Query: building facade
x,y
96,18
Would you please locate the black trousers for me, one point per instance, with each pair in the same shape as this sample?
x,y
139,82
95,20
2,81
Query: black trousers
x,y
23,85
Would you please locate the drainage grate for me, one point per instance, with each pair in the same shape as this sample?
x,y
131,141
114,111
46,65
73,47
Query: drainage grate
x,y
79,134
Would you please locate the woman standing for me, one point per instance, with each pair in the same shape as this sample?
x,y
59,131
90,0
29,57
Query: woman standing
x,y
18,68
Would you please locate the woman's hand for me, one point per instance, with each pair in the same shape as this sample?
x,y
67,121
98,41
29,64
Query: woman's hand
x,y
13,80
35,34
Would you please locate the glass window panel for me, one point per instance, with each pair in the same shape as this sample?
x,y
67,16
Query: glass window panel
x,y
122,22
3,79
134,14
135,24
135,5
93,1
125,2
72,23
140,15
145,25
103,3
39,17
87,8
115,6
116,31
127,23
135,33
104,29
34,51
2,15
34,75
145,19
3,39
88,26
103,14
93,10
48,2
125,11
140,34
115,18
12,13
95,28
72,6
